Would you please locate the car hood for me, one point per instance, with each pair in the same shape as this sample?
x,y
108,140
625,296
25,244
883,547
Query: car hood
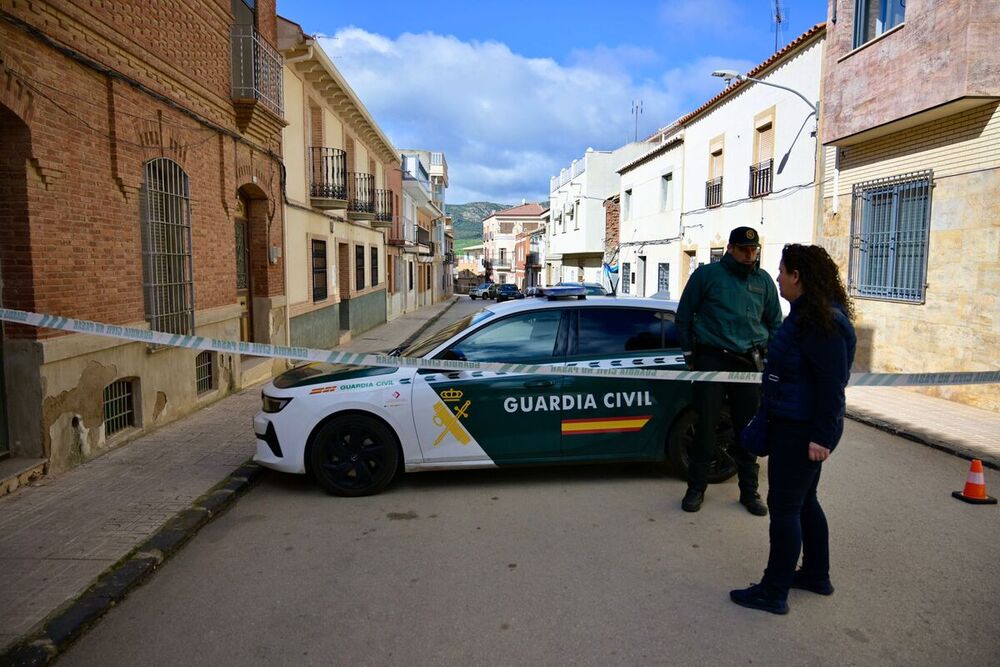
x,y
319,372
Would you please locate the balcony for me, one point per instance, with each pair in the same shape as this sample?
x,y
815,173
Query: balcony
x,y
423,237
383,209
256,79
713,192
533,260
761,176
328,177
360,196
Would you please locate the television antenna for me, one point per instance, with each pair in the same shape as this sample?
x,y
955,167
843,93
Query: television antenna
x,y
636,112
780,17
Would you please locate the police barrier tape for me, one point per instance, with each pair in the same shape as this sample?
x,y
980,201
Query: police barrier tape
x,y
618,367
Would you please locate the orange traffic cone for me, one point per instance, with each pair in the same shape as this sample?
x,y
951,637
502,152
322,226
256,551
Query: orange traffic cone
x,y
975,487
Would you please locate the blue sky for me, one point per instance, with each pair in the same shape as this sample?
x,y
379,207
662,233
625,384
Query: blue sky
x,y
514,91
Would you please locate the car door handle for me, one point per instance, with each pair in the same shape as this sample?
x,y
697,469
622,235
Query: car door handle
x,y
539,384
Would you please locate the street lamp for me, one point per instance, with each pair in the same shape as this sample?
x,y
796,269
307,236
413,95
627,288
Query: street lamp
x,y
731,74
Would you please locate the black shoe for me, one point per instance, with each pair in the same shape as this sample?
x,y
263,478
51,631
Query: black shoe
x,y
756,597
754,505
818,586
692,500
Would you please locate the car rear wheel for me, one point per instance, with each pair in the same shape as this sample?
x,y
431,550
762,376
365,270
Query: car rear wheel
x,y
681,438
354,455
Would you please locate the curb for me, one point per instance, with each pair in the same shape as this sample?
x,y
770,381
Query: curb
x,y
428,324
67,623
955,449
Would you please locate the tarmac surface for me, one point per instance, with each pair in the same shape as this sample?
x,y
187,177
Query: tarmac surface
x,y
73,545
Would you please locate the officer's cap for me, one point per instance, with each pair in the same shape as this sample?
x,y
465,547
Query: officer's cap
x,y
744,236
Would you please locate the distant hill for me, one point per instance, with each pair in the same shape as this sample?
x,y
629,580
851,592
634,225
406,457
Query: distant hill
x,y
467,219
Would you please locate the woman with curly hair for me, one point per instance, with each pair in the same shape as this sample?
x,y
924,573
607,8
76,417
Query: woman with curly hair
x,y
808,366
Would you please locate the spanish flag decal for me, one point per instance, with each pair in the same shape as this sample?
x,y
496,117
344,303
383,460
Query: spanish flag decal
x,y
604,425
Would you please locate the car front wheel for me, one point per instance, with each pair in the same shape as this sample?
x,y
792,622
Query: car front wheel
x,y
354,455
681,439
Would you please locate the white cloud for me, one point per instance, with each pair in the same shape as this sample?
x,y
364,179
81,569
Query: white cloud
x,y
506,122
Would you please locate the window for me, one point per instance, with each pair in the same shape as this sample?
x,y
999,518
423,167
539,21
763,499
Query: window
x,y
667,192
410,264
610,331
663,278
503,257
374,254
529,337
319,270
359,267
119,407
713,186
716,255
204,372
890,220
874,17
762,173
627,204
168,284
626,277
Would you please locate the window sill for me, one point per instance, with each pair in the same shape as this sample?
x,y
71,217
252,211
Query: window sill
x,y
871,41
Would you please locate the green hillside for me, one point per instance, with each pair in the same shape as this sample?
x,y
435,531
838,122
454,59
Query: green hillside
x,y
467,219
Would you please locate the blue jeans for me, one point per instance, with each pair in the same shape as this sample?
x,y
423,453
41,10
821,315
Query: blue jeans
x,y
798,524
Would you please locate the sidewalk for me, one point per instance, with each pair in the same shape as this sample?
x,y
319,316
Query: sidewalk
x,y
960,429
61,533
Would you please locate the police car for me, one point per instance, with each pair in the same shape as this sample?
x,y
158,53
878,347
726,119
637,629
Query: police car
x,y
355,428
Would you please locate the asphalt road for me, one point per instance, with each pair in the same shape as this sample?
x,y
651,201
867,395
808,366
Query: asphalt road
x,y
585,565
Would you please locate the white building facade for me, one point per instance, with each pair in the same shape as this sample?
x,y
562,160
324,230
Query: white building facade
x,y
575,233
500,231
750,159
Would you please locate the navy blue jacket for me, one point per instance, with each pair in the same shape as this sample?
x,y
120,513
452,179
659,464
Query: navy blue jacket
x,y
806,374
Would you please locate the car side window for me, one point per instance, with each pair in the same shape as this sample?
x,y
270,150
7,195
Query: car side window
x,y
522,338
604,331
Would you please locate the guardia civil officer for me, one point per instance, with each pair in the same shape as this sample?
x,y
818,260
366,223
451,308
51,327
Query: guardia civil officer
x,y
727,314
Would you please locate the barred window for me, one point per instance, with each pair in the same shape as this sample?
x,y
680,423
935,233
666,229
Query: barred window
x,y
374,252
359,267
204,372
319,270
119,407
890,227
168,284
663,277
626,275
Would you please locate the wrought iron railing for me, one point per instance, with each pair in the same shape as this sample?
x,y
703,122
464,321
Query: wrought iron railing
x,y
383,205
761,178
360,192
256,69
328,173
532,259
713,192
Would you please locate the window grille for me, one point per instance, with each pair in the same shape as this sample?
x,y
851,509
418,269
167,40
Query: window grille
x,y
319,270
663,277
713,192
168,284
761,178
359,267
204,372
119,407
626,274
374,253
890,230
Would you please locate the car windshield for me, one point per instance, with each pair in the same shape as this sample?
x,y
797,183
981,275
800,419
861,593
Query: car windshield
x,y
423,346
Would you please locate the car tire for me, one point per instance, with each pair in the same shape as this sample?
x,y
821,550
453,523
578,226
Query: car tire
x,y
682,436
472,296
354,455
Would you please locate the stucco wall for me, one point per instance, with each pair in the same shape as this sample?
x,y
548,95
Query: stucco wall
x,y
318,328
364,312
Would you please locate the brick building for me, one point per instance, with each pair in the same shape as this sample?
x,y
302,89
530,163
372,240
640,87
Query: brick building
x,y
142,186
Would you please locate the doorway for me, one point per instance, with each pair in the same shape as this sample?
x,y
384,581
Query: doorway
x,y
244,291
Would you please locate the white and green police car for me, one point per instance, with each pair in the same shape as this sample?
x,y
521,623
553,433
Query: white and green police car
x,y
355,428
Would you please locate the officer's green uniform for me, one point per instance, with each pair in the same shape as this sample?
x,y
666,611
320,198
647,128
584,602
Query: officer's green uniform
x,y
727,311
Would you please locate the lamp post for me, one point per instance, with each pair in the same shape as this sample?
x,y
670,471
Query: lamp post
x,y
729,75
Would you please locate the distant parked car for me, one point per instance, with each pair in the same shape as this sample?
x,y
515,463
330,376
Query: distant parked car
x,y
593,289
479,292
491,293
534,290
508,291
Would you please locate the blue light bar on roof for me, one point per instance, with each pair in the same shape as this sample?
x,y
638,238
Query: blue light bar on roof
x,y
560,292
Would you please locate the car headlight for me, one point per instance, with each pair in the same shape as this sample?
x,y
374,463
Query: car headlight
x,y
272,404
